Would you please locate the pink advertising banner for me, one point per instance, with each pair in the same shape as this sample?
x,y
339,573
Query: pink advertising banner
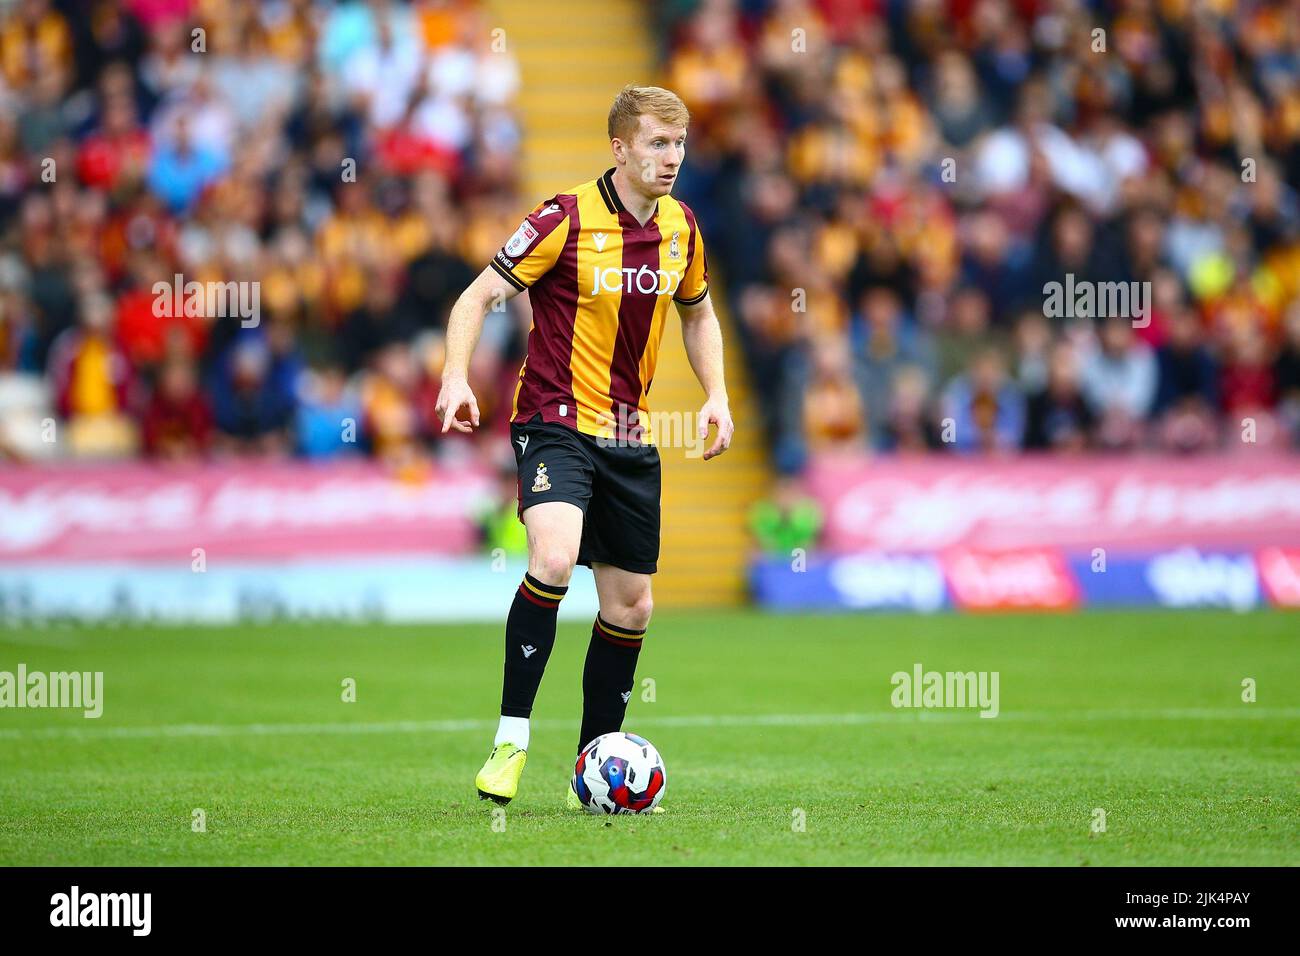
x,y
277,511
1123,503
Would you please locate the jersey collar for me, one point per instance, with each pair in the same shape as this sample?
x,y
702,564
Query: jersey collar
x,y
612,201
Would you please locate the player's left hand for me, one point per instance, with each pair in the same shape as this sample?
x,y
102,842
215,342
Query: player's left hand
x,y
716,412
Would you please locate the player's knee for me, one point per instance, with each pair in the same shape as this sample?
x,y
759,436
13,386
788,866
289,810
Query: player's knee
x,y
638,612
551,566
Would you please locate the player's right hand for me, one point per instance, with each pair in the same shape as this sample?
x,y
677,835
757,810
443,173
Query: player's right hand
x,y
454,395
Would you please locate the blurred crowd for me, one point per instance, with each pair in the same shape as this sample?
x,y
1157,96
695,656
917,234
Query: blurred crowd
x,y
357,161
888,186
885,186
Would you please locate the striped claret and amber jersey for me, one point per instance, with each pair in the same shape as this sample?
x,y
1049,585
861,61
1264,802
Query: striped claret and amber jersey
x,y
600,285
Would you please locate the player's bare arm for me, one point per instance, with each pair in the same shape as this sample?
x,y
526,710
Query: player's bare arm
x,y
464,326
702,336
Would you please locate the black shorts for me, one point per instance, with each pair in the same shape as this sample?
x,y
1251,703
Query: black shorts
x,y
616,487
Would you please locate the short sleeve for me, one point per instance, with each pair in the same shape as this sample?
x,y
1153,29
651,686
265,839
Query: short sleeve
x,y
535,246
695,282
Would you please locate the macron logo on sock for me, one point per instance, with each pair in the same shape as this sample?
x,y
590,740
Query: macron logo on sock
x,y
528,650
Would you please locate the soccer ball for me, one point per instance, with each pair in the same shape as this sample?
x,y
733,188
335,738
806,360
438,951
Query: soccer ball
x,y
619,773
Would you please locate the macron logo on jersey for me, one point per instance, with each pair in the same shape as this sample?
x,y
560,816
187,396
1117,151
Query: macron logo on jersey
x,y
553,207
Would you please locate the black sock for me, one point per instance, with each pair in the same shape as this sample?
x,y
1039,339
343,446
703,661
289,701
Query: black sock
x,y
530,635
607,678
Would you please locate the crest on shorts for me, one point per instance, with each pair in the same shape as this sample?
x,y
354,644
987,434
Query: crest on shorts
x,y
541,482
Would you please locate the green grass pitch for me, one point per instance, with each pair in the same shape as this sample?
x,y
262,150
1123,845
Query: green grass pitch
x,y
764,722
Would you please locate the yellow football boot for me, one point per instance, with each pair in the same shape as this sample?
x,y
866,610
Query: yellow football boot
x,y
499,778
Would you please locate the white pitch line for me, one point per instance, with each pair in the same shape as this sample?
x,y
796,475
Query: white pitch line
x,y
700,720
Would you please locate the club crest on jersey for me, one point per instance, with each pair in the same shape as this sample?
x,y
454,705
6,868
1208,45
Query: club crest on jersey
x,y
520,240
541,482
645,280
674,250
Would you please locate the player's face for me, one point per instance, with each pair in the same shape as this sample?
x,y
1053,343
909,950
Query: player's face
x,y
655,155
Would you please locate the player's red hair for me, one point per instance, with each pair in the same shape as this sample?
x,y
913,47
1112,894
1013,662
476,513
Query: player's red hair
x,y
633,102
